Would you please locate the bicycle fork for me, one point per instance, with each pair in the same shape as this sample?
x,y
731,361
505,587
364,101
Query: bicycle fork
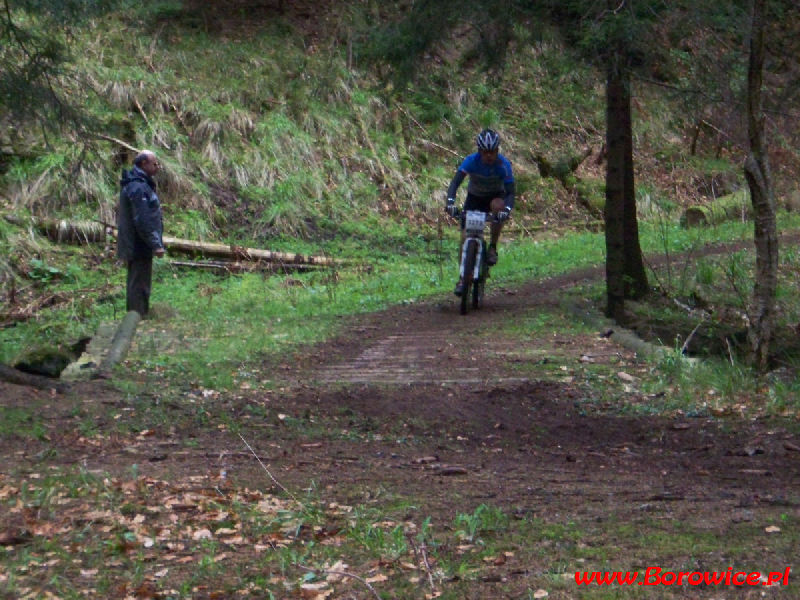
x,y
476,269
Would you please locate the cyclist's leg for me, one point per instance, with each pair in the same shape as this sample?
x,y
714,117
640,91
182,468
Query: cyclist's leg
x,y
495,229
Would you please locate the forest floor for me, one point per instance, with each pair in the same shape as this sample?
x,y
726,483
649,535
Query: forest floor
x,y
416,413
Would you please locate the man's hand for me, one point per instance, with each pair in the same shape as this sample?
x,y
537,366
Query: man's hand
x,y
159,252
503,215
451,208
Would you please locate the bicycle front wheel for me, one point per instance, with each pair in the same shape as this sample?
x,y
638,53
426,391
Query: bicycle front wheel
x,y
470,256
477,293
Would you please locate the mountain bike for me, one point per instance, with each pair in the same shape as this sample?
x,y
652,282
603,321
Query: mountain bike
x,y
473,268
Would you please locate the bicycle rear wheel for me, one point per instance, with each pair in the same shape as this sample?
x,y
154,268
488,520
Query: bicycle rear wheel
x,y
470,257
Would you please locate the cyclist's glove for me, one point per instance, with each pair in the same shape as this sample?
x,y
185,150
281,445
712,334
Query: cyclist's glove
x,y
451,208
503,215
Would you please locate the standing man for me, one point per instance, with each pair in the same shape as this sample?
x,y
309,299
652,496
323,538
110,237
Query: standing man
x,y
139,229
491,189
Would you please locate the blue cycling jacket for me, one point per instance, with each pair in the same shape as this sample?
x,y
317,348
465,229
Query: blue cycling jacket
x,y
486,181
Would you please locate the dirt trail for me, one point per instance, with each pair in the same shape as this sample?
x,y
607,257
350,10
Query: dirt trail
x,y
421,404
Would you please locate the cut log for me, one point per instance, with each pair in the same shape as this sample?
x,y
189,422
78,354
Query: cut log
x,y
227,266
120,344
61,231
15,376
233,252
589,193
725,208
93,232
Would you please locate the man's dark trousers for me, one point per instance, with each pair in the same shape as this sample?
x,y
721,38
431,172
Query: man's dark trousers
x,y
140,275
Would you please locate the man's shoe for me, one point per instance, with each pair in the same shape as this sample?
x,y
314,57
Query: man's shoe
x,y
459,291
491,256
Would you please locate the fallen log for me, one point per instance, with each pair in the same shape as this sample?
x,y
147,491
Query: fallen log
x,y
62,231
17,377
725,208
227,266
589,193
234,252
120,344
94,232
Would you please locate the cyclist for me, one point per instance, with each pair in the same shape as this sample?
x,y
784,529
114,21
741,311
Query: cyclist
x,y
491,185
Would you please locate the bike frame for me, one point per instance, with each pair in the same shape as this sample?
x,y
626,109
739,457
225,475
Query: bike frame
x,y
473,268
474,225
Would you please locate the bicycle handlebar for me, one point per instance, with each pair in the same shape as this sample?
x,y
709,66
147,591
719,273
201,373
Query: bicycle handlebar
x,y
490,217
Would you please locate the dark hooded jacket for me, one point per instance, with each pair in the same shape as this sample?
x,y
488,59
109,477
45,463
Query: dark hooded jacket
x,y
139,222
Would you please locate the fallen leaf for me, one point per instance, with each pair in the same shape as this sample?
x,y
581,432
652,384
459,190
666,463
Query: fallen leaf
x,y
540,594
423,460
772,529
452,470
315,591
202,534
377,578
335,571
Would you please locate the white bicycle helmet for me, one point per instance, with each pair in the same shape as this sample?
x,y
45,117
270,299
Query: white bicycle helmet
x,y
488,140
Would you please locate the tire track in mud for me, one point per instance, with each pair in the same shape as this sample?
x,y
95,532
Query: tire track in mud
x,y
413,358
431,343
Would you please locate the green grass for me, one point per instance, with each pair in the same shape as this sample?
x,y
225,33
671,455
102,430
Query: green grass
x,y
21,423
215,324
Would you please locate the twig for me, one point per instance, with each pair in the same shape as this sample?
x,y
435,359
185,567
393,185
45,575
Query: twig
x,y
435,145
730,351
117,141
149,58
263,466
413,120
423,549
141,112
425,131
342,574
149,125
691,335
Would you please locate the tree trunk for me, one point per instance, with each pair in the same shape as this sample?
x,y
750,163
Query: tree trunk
x,y
756,168
625,273
613,212
636,285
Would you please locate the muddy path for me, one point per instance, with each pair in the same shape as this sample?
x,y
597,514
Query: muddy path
x,y
422,407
